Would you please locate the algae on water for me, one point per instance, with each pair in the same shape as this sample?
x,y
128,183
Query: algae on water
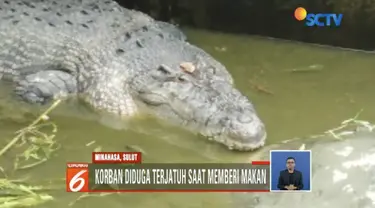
x,y
36,143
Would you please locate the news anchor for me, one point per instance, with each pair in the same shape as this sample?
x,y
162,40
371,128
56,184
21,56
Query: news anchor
x,y
290,178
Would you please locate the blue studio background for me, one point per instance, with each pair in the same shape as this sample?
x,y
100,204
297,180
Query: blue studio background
x,y
278,162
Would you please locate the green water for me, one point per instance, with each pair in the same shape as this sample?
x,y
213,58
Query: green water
x,y
326,87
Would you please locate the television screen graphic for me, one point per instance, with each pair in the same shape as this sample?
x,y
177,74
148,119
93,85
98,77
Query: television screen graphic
x,y
290,170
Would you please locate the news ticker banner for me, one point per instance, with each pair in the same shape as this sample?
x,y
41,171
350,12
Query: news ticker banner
x,y
123,172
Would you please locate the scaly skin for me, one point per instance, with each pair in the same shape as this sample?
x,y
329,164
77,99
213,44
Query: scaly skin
x,y
122,62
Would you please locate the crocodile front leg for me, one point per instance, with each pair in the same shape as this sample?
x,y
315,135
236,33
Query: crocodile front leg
x,y
110,94
44,86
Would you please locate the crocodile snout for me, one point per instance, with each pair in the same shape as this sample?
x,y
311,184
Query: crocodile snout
x,y
246,133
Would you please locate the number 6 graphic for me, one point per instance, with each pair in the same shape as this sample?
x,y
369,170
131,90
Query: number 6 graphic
x,y
77,179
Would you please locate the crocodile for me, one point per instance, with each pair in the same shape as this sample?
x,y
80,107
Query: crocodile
x,y
122,62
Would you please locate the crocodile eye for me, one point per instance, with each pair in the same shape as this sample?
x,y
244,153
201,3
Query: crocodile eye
x,y
164,69
182,79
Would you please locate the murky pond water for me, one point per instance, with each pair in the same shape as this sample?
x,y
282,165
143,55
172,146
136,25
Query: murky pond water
x,y
297,89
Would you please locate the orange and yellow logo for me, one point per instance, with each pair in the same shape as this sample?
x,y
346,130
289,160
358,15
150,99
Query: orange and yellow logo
x,y
300,13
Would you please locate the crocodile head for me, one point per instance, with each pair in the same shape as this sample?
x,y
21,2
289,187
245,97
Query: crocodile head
x,y
201,101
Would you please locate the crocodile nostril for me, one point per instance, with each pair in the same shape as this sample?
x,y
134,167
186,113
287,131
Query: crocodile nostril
x,y
244,118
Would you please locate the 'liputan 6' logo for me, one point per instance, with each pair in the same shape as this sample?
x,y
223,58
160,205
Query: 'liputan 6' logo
x,y
77,177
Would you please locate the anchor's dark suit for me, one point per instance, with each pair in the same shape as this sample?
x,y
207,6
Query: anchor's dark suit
x,y
286,179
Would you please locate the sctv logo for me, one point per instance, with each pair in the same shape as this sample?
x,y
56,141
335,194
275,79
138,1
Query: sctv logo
x,y
319,19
